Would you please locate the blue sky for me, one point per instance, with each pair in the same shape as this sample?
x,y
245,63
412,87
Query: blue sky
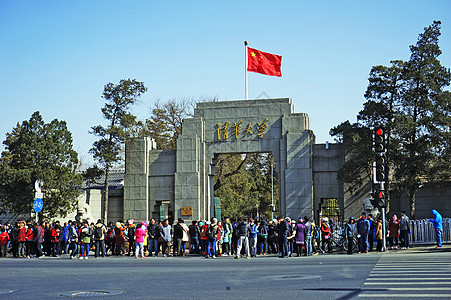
x,y
56,56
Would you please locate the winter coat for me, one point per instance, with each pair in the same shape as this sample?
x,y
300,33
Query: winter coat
x,y
438,220
243,229
22,234
166,233
185,237
404,223
300,233
379,231
4,238
154,231
308,229
178,231
350,230
363,226
283,228
253,230
393,226
38,235
325,230
119,233
139,235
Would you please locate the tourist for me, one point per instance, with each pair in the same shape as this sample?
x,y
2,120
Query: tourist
x,y
166,238
139,235
21,238
153,231
404,230
299,238
308,236
393,228
350,232
325,235
379,234
85,239
212,236
272,237
177,237
253,237
219,239
203,236
262,242
283,229
38,239
242,230
363,227
185,238
4,239
120,237
131,237
99,238
73,239
29,244
227,239
438,225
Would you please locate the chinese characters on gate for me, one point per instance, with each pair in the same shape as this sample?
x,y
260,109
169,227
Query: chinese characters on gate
x,y
238,130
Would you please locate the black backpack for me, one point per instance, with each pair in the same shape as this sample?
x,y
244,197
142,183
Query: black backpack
x,y
98,232
211,234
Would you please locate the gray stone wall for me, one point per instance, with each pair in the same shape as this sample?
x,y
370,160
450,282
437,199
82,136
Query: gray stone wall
x,y
327,161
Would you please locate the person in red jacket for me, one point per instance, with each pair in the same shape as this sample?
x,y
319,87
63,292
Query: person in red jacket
x,y
325,235
4,239
22,238
29,245
56,232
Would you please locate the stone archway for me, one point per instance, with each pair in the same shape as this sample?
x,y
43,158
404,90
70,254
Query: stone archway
x,y
184,177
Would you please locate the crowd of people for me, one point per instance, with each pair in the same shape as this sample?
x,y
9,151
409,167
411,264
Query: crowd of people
x,y
242,237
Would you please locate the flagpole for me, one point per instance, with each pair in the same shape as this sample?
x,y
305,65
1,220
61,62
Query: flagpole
x,y
245,71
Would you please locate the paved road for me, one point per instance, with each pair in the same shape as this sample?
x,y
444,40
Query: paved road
x,y
374,275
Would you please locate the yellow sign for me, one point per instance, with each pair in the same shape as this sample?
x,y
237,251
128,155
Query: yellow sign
x,y
186,211
235,130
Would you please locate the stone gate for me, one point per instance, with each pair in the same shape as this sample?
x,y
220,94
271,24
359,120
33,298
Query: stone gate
x,y
183,178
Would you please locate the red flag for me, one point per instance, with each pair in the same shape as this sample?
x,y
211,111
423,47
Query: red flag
x,y
263,63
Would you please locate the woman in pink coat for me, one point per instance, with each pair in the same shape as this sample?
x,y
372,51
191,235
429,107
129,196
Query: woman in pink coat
x,y
139,241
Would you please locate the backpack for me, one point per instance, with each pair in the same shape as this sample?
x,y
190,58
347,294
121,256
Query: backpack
x,y
264,231
98,232
211,234
203,232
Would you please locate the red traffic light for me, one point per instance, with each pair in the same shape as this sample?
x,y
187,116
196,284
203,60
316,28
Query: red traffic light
x,y
379,131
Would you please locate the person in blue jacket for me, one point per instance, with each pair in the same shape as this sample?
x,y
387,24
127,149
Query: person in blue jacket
x,y
438,227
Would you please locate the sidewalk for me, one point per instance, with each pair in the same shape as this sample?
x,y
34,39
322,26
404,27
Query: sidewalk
x,y
430,248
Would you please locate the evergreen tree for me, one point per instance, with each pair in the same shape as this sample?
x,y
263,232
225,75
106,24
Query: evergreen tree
x,y
38,150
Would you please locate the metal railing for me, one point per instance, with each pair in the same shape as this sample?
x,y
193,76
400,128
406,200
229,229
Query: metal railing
x,y
423,231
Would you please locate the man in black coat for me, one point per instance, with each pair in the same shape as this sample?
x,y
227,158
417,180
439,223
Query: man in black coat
x,y
283,233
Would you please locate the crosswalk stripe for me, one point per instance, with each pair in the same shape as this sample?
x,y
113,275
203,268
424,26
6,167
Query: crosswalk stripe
x,y
406,295
410,278
408,283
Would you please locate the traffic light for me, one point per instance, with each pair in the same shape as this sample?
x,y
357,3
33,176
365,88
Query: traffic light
x,y
378,198
380,167
379,139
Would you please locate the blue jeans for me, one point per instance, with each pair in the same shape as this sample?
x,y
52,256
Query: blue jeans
x,y
308,245
211,250
363,242
283,246
84,249
439,234
195,244
153,246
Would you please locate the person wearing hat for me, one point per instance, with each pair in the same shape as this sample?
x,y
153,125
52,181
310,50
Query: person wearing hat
x,y
325,235
350,233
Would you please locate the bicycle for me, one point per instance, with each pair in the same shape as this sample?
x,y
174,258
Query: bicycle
x,y
340,241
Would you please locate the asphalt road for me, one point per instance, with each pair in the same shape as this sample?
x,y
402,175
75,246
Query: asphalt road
x,y
338,276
